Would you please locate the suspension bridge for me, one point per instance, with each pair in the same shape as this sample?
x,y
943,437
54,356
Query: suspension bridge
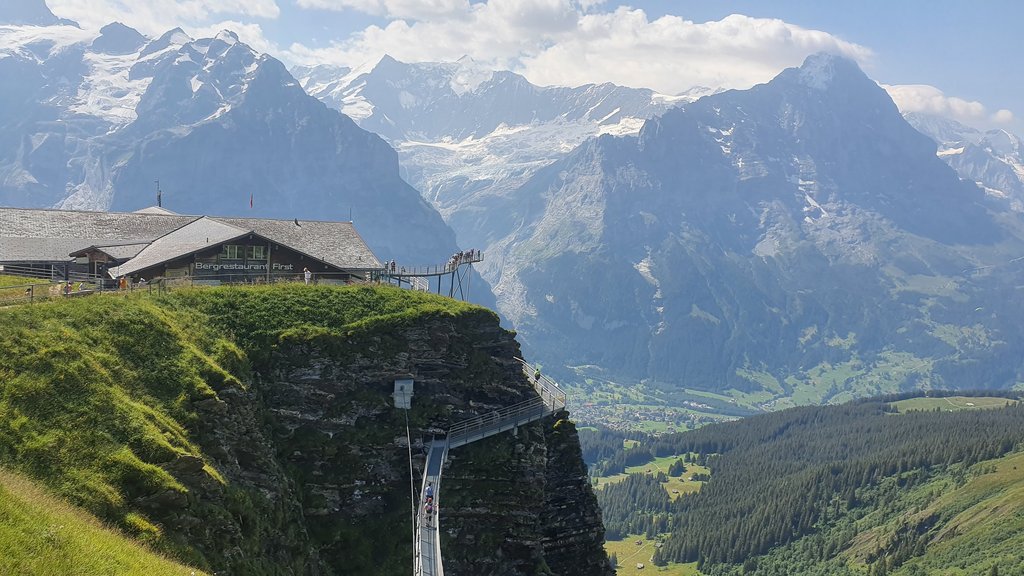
x,y
549,399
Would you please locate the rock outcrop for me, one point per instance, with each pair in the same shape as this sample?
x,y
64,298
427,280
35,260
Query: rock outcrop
x,y
511,505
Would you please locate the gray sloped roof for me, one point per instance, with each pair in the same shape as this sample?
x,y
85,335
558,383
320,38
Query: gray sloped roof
x,y
28,234
192,237
153,236
336,243
154,210
117,250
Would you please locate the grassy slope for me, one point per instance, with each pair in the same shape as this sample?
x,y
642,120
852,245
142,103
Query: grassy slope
x,y
981,522
628,551
6,280
40,534
681,483
634,550
97,393
951,403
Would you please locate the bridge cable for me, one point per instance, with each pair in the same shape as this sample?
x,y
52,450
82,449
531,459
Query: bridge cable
x,y
412,491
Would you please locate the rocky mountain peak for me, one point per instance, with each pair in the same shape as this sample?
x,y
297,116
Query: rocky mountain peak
x,y
116,38
819,71
942,130
32,13
169,39
1002,142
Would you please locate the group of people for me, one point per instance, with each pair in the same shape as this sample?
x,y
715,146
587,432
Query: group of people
x,y
470,255
428,501
67,288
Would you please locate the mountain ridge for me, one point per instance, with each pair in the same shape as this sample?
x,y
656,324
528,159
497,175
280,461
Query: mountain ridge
x,y
782,208
224,129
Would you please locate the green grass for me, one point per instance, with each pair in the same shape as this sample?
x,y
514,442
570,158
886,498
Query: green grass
x,y
675,487
952,403
12,289
258,316
638,549
98,394
981,522
6,280
40,534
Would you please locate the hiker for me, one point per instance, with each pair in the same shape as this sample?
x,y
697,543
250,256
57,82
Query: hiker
x,y
430,490
307,275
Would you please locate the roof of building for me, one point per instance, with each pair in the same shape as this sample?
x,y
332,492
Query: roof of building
x,y
115,250
336,243
191,238
28,234
154,236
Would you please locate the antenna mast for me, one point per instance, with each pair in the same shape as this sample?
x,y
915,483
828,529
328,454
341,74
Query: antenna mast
x,y
159,198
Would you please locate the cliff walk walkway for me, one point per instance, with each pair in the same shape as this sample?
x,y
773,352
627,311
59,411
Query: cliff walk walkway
x,y
550,399
455,273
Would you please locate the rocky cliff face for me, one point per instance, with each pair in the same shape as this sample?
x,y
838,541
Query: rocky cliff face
x,y
316,465
511,504
252,431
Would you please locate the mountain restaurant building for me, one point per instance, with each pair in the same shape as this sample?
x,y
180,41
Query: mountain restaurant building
x,y
155,243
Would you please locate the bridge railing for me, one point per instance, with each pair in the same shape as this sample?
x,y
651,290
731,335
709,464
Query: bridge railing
x,y
546,387
550,398
435,269
497,421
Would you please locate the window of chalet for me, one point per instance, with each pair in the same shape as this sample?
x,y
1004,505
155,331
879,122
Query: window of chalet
x,y
255,252
231,252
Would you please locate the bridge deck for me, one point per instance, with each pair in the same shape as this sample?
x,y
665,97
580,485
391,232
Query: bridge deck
x,y
549,400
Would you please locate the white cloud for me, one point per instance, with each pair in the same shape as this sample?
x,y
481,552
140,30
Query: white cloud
x,y
671,54
1003,116
931,100
153,18
412,9
574,42
248,33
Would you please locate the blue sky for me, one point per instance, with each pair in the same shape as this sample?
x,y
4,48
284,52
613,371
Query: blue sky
x,y
957,59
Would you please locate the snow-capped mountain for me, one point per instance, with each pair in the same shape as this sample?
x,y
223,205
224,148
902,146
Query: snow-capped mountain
x,y
795,240
469,137
31,12
463,130
91,122
994,159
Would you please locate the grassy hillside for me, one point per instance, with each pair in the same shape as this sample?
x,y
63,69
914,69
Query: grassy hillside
x,y
951,403
977,519
42,535
917,486
100,399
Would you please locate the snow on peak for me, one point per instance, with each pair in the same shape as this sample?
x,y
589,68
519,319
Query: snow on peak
x,y
818,71
469,75
227,36
40,42
175,38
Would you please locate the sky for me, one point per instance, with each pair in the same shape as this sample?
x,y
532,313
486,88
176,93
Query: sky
x,y
956,59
